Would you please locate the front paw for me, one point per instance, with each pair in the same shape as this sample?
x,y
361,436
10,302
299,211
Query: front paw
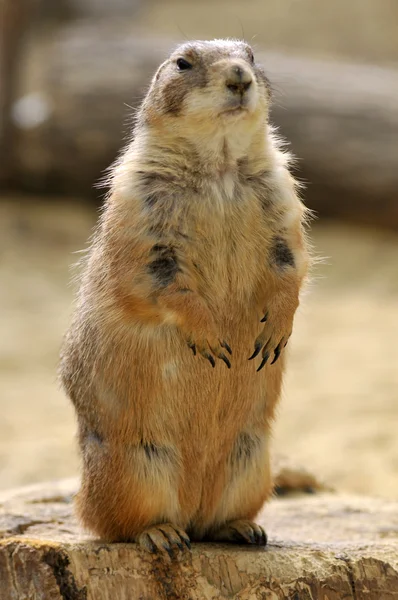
x,y
271,341
165,537
241,531
210,349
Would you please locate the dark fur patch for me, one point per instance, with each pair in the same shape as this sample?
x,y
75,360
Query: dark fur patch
x,y
155,191
244,448
151,200
243,164
174,92
151,178
159,248
198,268
154,452
173,96
261,76
165,266
281,255
93,447
94,436
259,183
90,436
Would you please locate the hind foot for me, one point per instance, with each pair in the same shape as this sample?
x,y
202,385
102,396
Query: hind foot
x,y
241,532
164,537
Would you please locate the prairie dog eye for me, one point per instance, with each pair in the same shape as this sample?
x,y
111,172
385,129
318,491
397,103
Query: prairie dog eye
x,y
183,65
251,55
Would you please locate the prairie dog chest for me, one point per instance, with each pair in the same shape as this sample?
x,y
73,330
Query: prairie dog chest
x,y
230,236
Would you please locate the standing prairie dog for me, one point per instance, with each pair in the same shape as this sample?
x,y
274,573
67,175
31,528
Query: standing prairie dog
x,y
175,356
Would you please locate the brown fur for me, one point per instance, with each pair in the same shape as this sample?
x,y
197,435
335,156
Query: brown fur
x,y
201,236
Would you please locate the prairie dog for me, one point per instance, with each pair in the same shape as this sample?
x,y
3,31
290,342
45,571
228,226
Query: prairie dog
x,y
175,355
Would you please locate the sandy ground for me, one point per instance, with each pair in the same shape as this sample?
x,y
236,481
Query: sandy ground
x,y
339,414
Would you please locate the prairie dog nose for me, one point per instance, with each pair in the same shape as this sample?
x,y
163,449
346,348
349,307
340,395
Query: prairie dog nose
x,y
238,79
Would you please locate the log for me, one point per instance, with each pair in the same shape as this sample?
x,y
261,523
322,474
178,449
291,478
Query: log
x,y
76,118
97,9
321,546
341,119
342,122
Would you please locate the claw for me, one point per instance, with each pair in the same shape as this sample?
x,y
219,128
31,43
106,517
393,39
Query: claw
x,y
277,354
225,359
210,359
193,348
227,347
173,537
187,543
168,550
265,358
257,348
184,537
241,535
265,317
147,543
263,539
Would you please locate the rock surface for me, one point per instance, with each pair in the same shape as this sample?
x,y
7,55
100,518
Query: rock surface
x,y
325,546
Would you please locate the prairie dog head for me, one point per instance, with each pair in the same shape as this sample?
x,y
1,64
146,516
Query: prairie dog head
x,y
206,87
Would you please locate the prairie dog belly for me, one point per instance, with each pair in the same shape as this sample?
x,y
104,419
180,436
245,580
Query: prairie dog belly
x,y
170,380
229,256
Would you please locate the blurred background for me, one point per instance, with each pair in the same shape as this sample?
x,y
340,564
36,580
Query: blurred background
x,y
70,72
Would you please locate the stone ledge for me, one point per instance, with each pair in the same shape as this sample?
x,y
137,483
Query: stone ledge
x,y
325,545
